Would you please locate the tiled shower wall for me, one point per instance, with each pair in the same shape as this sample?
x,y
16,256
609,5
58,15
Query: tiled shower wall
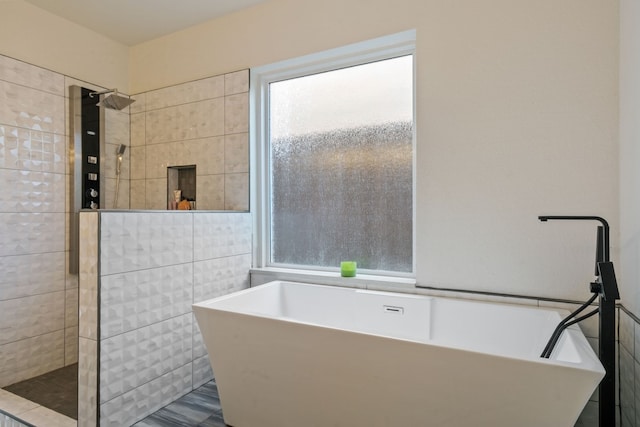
x,y
203,123
140,347
629,365
38,297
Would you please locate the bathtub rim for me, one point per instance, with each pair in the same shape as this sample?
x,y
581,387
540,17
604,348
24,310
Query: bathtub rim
x,y
590,360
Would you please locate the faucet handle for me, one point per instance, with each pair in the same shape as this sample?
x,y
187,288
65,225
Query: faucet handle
x,y
607,278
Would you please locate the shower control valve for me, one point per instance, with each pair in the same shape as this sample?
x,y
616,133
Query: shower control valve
x,y
92,192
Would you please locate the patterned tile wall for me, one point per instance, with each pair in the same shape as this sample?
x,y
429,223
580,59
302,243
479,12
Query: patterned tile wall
x,y
34,314
151,271
88,320
203,123
629,366
35,177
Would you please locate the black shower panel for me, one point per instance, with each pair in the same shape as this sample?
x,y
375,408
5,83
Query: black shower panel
x,y
90,154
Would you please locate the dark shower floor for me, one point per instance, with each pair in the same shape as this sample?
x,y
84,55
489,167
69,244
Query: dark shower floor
x,y
56,390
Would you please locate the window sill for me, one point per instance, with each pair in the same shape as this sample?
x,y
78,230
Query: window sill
x,y
260,276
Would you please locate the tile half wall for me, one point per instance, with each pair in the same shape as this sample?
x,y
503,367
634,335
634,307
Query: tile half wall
x,y
140,346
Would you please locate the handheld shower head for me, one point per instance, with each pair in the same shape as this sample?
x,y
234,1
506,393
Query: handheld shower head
x,y
119,153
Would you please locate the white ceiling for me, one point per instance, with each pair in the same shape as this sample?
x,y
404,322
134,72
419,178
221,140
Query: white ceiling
x,y
135,21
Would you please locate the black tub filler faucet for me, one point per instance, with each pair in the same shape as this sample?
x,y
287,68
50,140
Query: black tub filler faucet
x,y
605,286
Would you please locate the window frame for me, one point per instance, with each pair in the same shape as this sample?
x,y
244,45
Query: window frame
x,y
387,47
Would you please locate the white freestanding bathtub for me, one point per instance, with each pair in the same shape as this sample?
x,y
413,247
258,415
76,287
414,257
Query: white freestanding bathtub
x,y
295,355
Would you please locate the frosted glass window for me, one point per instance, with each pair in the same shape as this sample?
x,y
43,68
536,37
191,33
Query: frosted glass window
x,y
341,159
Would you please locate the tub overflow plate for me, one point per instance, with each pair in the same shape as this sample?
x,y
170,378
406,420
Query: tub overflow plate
x,y
393,309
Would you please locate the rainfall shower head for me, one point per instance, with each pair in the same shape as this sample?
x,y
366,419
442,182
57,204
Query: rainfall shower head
x,y
113,101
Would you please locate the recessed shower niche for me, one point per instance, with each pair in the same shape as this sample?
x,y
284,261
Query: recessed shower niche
x,y
181,187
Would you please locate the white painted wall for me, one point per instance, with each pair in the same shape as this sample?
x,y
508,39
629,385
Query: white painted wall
x,y
629,274
40,38
516,117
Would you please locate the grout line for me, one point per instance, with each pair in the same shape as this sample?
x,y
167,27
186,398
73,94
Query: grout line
x,y
193,288
635,318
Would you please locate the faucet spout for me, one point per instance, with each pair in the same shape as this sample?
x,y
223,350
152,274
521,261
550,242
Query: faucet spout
x,y
602,246
545,218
